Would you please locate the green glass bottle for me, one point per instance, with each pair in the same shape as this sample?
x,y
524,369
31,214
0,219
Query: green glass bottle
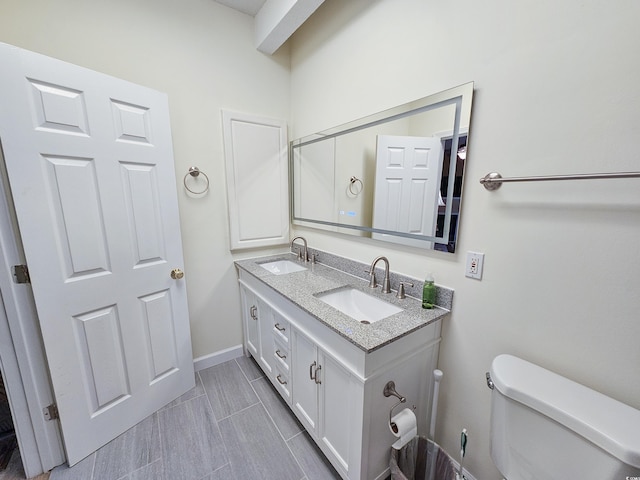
x,y
429,292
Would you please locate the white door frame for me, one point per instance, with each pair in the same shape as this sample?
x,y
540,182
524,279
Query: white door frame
x,y
22,357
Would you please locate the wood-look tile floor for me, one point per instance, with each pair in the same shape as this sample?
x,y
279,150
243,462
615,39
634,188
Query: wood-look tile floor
x,y
15,471
232,425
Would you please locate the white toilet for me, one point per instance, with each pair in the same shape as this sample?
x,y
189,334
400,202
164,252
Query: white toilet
x,y
547,427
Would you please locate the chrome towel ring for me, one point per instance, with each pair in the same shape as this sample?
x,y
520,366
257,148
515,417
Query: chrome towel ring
x,y
195,173
355,186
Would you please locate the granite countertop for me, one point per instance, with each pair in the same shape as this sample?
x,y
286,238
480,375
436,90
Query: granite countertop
x,y
300,288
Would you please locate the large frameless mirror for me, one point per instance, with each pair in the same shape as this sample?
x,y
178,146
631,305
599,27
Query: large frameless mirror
x,y
394,176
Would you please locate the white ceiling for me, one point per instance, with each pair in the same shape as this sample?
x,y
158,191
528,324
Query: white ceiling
x,y
250,7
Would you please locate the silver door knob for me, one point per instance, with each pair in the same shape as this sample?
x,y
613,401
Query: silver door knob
x,y
177,274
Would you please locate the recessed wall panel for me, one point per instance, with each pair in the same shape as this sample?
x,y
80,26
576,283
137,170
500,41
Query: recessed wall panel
x,y
143,208
161,333
75,199
251,141
100,347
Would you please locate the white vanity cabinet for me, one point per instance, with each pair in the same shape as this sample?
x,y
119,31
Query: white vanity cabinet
x,y
334,387
267,339
324,395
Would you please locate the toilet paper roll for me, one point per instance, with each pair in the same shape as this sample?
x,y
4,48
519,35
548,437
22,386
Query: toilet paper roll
x,y
407,426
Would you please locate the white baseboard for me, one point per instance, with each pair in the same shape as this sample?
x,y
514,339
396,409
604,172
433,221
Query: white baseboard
x,y
217,358
465,472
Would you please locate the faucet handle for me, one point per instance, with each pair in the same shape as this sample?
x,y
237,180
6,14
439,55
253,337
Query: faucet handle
x,y
400,293
313,258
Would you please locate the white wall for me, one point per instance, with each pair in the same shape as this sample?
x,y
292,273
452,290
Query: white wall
x,y
203,56
556,92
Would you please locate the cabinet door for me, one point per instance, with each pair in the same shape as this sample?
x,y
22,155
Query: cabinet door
x,y
305,389
265,324
250,321
338,399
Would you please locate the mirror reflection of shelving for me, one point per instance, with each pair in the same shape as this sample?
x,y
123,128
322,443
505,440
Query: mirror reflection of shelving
x,y
457,192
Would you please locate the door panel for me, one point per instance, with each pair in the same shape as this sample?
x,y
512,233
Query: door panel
x,y
143,212
90,165
71,191
160,327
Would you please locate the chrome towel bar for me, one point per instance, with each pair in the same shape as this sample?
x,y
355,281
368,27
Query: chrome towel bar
x,y
493,180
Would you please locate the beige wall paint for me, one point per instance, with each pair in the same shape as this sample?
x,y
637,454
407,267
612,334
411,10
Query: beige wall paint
x,y
556,91
202,55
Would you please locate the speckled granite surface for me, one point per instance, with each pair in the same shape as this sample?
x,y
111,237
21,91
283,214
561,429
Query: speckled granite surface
x,y
301,288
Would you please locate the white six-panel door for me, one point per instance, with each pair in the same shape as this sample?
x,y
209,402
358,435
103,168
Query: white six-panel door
x,y
90,165
408,171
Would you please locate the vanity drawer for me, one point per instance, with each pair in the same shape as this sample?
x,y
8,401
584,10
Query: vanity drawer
x,y
281,329
281,355
282,383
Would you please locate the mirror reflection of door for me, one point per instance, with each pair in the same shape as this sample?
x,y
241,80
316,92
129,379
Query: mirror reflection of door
x,y
407,174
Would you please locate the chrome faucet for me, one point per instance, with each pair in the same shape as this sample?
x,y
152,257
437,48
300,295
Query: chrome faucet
x,y
302,253
386,285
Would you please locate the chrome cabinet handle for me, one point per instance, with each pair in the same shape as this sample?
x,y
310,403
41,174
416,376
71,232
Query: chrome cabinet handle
x,y
252,312
280,355
279,328
316,378
311,377
282,382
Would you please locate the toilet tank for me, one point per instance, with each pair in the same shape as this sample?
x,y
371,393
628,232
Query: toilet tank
x,y
547,427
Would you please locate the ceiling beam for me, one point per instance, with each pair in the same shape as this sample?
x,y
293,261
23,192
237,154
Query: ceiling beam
x,y
278,19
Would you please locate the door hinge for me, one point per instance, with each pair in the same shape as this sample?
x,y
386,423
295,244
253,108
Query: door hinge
x,y
21,272
51,412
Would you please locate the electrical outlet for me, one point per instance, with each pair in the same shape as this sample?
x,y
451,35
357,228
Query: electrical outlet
x,y
475,262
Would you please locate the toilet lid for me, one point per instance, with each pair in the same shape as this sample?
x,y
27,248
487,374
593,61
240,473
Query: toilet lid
x,y
608,423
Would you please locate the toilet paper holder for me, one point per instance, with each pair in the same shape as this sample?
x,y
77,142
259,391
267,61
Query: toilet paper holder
x,y
389,390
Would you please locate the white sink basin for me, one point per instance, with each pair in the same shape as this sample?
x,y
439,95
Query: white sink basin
x,y
282,267
364,308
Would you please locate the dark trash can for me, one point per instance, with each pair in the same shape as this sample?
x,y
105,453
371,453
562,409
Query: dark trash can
x,y
8,440
414,460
